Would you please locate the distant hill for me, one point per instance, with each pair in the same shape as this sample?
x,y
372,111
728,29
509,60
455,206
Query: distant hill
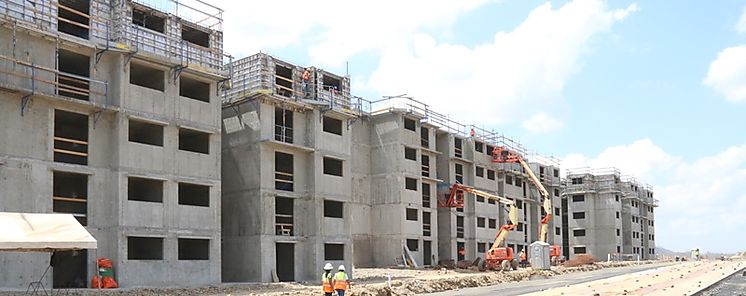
x,y
663,252
666,252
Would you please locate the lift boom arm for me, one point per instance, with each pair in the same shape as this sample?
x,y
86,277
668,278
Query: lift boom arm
x,y
501,154
512,211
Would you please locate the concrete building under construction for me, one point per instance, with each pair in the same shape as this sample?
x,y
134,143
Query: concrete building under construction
x,y
187,165
312,174
109,111
608,215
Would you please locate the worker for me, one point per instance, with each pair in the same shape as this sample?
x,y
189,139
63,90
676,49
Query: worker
x,y
695,254
306,81
341,281
522,256
326,280
461,253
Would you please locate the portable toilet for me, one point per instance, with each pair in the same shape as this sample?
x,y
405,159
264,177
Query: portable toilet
x,y
538,256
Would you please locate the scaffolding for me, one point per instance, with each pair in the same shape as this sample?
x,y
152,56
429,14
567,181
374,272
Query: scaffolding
x,y
90,22
263,74
190,36
32,79
598,180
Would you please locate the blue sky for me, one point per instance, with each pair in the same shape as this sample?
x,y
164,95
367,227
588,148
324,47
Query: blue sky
x,y
655,88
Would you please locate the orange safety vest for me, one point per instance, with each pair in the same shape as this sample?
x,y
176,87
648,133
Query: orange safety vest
x,y
326,282
340,281
306,75
523,256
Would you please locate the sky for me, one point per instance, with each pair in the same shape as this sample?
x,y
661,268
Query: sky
x,y
654,88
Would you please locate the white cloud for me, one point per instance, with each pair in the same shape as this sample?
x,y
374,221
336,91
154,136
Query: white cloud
x,y
701,202
741,25
334,30
495,81
502,80
727,74
541,123
642,159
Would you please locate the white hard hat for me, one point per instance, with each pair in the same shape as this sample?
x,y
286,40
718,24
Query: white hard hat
x,y
328,266
341,267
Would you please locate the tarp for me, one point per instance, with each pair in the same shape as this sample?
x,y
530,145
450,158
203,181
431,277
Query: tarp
x,y
43,233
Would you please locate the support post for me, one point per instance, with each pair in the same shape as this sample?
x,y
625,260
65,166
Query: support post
x,y
25,99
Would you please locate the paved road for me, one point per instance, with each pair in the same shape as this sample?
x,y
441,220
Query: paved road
x,y
524,287
732,285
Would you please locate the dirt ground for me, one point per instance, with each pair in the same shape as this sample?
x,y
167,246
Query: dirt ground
x,y
684,278
367,282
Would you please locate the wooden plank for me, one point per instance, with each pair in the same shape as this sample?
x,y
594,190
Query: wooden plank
x,y
63,151
73,79
70,90
284,78
16,74
59,198
285,88
75,11
73,88
74,23
70,140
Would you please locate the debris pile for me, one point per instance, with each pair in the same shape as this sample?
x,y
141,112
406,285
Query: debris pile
x,y
368,282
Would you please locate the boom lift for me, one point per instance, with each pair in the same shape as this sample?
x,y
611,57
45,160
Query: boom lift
x,y
497,256
502,155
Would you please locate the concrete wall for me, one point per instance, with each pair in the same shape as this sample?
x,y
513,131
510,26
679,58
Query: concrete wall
x,y
27,163
389,228
617,213
601,222
250,194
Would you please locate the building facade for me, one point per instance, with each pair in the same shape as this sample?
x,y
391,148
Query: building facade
x,y
609,216
314,175
287,172
110,112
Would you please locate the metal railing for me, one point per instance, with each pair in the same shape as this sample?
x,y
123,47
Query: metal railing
x,y
44,16
593,171
188,54
110,26
194,11
426,230
283,133
38,80
256,74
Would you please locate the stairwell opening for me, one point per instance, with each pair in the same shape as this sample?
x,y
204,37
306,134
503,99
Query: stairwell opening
x,y
147,18
74,70
70,137
73,17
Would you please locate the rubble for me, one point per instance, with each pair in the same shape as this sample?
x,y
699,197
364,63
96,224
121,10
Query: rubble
x,y
368,282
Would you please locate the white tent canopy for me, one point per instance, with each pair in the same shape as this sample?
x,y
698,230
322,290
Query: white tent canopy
x,y
43,233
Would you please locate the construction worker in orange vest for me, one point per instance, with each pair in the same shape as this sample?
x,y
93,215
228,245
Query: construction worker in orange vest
x,y
522,256
341,281
306,81
326,280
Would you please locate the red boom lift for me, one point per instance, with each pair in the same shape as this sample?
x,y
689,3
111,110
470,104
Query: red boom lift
x,y
497,257
502,155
